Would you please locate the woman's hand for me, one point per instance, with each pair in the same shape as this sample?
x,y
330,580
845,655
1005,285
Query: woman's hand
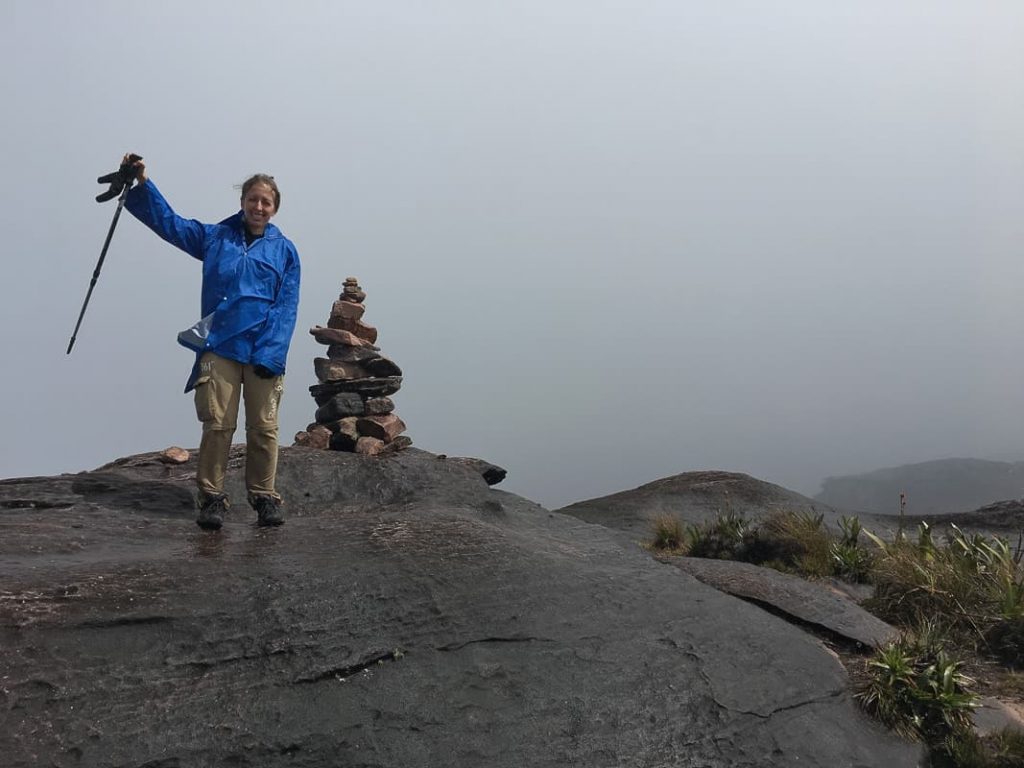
x,y
137,165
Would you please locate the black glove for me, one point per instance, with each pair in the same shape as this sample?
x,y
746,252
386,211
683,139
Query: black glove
x,y
263,372
118,179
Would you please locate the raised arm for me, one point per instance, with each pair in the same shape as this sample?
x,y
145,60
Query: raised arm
x,y
146,204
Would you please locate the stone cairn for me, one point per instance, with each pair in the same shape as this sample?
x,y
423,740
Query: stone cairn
x,y
354,409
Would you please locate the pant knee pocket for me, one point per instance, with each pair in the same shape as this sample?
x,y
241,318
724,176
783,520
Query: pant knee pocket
x,y
205,399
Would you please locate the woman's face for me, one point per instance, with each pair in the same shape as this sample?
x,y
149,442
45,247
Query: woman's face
x,y
258,207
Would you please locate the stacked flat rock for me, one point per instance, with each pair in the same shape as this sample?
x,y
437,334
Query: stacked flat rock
x,y
354,409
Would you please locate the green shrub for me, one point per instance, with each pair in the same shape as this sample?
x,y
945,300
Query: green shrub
x,y
851,562
722,538
850,528
918,690
794,542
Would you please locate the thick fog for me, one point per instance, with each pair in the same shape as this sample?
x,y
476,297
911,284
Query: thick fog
x,y
606,241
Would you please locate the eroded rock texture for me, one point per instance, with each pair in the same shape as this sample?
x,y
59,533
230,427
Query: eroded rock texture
x,y
406,615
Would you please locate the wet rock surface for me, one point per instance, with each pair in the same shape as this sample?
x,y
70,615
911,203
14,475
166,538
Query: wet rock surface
x,y
811,603
406,615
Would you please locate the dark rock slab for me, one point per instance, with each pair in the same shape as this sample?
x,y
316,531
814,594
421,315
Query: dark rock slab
x,y
340,406
328,370
344,440
349,354
812,603
373,387
405,615
382,366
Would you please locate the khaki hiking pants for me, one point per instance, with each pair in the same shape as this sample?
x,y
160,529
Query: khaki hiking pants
x,y
220,385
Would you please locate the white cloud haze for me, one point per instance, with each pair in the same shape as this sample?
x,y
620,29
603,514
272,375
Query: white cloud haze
x,y
606,241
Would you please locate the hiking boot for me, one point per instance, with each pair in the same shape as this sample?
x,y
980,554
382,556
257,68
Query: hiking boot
x,y
268,510
211,512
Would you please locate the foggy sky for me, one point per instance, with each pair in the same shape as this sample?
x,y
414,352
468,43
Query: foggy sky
x,y
606,241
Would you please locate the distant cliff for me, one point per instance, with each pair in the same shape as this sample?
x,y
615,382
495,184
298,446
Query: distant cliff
x,y
932,487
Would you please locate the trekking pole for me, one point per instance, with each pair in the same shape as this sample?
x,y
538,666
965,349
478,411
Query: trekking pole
x,y
120,180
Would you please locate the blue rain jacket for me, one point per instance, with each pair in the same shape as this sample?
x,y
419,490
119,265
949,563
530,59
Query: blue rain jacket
x,y
251,291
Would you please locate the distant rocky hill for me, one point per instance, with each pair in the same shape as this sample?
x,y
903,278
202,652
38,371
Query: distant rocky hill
x,y
694,497
932,487
405,615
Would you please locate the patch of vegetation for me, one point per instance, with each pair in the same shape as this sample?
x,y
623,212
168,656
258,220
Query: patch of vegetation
x,y
917,688
795,542
1004,749
851,561
976,584
723,538
669,533
959,599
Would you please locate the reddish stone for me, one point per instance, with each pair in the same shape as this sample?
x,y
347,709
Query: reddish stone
x,y
342,406
317,436
174,455
355,327
337,370
369,446
347,309
337,336
385,428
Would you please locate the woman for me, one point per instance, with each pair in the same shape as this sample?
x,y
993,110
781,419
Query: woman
x,y
250,298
